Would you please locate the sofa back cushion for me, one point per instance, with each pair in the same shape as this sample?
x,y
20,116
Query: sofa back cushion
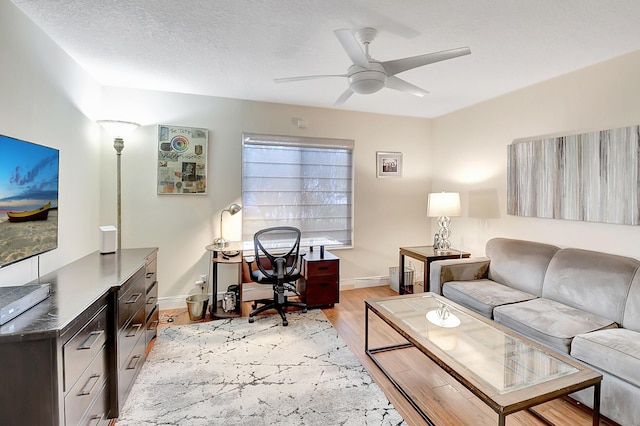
x,y
590,281
631,318
519,264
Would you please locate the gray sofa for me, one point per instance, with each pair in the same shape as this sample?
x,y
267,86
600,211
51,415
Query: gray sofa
x,y
578,302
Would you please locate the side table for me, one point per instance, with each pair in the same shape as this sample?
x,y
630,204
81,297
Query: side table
x,y
425,254
231,254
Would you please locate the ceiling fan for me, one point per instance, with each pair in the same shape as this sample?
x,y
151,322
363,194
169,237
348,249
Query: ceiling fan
x,y
368,75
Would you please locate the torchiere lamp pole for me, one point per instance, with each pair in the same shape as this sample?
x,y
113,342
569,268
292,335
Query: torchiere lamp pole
x,y
118,129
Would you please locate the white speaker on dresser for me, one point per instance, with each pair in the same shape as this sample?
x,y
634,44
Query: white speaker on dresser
x,y
108,239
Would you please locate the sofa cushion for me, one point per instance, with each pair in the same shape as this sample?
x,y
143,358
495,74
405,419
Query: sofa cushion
x,y
551,323
590,281
519,264
615,351
482,296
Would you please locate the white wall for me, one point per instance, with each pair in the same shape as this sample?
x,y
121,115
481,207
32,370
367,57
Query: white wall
x,y
471,153
182,225
45,98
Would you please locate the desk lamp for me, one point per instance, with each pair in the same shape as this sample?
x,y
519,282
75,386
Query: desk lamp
x,y
220,242
442,205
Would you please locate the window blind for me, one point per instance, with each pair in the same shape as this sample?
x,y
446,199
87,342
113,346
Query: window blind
x,y
302,182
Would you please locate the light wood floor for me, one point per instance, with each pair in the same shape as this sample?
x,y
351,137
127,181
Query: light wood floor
x,y
445,401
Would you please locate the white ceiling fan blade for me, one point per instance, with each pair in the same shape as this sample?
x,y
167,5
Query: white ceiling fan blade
x,y
352,47
306,77
345,95
397,66
396,83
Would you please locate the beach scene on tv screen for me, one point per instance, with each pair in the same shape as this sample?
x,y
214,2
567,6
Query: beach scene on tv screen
x,y
28,199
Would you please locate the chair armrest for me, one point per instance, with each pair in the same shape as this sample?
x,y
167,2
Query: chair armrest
x,y
466,269
249,260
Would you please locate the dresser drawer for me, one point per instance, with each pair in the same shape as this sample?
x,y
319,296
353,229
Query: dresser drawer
x,y
129,335
130,367
321,268
83,393
151,273
151,299
83,347
131,297
152,326
98,412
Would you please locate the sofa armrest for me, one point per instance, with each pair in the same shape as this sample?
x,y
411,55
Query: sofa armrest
x,y
466,269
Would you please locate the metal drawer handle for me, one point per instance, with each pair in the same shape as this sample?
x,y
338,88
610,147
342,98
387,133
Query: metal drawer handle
x,y
323,268
153,324
92,381
134,298
97,419
151,300
91,339
323,284
150,274
134,362
131,331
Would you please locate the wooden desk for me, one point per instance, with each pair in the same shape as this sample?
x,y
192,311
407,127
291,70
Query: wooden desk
x,y
425,254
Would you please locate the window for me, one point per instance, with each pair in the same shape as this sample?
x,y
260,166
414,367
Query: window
x,y
302,182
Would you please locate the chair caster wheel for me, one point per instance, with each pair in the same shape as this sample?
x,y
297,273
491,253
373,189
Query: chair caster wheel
x,y
285,323
304,310
251,320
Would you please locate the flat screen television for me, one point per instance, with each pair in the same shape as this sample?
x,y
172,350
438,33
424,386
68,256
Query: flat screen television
x,y
28,199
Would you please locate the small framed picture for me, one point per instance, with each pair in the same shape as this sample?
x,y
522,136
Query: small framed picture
x,y
389,164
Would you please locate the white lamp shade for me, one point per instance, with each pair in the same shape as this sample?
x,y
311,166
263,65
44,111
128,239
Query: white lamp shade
x,y
118,129
443,204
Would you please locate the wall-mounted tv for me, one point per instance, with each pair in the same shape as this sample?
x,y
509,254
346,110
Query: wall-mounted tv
x,y
28,199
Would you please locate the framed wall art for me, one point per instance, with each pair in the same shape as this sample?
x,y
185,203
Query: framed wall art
x,y
592,176
389,164
182,160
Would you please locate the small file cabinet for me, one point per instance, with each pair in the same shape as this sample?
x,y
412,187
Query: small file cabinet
x,y
320,281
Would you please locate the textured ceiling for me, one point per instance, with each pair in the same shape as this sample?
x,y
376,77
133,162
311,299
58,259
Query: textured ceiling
x,y
235,48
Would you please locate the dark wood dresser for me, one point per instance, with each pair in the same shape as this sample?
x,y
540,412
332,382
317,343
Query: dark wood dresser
x,y
71,359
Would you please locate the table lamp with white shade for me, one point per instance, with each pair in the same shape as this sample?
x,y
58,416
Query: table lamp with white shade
x,y
443,205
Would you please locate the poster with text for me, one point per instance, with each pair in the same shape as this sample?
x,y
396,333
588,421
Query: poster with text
x,y
182,160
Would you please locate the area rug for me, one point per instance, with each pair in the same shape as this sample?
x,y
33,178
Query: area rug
x,y
230,372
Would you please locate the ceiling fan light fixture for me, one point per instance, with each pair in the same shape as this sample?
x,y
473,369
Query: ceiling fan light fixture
x,y
367,82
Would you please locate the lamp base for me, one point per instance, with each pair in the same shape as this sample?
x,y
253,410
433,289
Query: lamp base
x,y
220,243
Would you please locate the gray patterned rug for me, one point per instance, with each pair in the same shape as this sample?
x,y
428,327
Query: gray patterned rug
x,y
230,372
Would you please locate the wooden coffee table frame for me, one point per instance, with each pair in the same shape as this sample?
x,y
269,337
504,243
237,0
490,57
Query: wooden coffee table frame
x,y
503,404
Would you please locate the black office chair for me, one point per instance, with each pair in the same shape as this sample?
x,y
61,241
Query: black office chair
x,y
278,264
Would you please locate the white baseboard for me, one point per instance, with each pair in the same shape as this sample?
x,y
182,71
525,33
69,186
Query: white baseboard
x,y
173,302
364,282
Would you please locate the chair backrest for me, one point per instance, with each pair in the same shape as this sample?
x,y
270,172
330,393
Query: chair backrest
x,y
281,245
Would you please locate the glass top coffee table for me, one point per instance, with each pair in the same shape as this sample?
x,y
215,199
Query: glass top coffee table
x,y
507,371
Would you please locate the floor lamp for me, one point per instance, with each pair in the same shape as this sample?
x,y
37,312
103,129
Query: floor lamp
x,y
443,205
118,129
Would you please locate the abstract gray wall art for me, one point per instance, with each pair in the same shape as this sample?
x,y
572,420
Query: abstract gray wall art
x,y
591,177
